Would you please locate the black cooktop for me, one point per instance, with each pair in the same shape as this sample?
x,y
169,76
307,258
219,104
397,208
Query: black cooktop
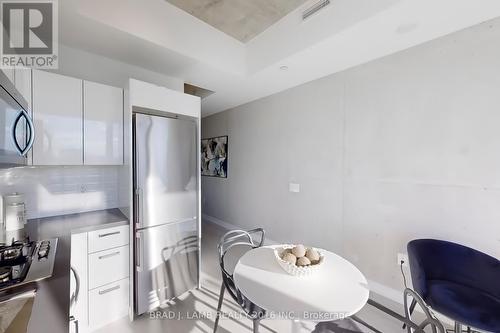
x,y
15,261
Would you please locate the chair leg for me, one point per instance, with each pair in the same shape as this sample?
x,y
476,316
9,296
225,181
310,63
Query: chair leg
x,y
431,320
458,327
412,308
219,306
256,323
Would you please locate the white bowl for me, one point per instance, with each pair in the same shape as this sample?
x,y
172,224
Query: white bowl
x,y
293,269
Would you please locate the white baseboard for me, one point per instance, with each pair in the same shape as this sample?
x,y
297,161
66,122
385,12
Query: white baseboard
x,y
220,223
230,226
386,292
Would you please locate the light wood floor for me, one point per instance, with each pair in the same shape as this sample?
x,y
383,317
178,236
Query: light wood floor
x,y
198,308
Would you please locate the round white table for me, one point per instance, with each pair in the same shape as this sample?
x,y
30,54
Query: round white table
x,y
336,291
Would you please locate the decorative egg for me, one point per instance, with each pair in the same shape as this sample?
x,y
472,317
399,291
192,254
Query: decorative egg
x,y
312,255
303,261
299,251
289,257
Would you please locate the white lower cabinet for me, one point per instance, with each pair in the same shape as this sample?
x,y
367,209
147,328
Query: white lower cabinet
x,y
106,303
99,279
78,284
108,238
108,266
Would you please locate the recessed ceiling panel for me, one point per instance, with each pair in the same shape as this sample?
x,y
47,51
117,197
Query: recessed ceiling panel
x,y
241,19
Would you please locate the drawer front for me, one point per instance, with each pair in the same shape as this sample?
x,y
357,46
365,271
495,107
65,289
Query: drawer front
x,y
108,266
108,238
108,303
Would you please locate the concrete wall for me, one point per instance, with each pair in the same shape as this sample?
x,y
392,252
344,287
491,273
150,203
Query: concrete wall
x,y
403,147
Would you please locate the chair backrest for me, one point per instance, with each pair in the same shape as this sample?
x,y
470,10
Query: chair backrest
x,y
232,241
432,259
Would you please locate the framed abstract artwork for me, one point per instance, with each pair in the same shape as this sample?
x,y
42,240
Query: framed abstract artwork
x,y
214,157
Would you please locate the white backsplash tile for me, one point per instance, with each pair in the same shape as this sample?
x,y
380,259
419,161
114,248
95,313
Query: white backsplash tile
x,y
51,191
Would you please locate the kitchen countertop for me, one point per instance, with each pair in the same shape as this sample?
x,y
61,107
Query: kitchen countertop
x,y
51,307
76,223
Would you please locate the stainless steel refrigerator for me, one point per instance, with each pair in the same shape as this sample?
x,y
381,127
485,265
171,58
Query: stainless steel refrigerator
x,y
166,213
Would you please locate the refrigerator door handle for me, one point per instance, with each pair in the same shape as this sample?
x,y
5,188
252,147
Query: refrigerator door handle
x,y
139,207
138,252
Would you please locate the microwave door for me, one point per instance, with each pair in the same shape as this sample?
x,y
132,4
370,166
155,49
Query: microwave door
x,y
13,135
17,132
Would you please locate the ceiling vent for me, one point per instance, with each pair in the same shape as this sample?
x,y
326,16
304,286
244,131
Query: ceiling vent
x,y
197,91
314,9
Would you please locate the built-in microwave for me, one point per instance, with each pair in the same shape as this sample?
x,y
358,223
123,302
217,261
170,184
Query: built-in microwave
x,y
17,132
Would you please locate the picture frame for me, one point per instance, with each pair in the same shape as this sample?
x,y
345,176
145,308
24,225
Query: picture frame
x,y
214,156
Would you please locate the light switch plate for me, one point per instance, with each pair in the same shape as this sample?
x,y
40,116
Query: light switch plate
x,y
294,188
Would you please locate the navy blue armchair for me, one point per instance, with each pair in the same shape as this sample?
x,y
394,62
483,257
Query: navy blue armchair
x,y
459,282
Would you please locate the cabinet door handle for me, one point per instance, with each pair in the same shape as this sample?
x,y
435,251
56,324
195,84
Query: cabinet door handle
x,y
105,291
109,255
109,234
72,319
74,297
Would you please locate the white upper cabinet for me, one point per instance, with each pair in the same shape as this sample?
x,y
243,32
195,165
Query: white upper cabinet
x,y
151,96
22,81
58,116
77,122
103,124
9,72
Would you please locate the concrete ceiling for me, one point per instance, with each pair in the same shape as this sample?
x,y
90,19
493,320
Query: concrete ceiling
x,y
156,35
240,19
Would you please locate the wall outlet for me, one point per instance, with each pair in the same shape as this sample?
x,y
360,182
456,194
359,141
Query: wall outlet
x,y
294,188
404,258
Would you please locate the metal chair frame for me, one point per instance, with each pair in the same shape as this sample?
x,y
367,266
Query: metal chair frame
x,y
228,241
417,299
409,324
430,319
